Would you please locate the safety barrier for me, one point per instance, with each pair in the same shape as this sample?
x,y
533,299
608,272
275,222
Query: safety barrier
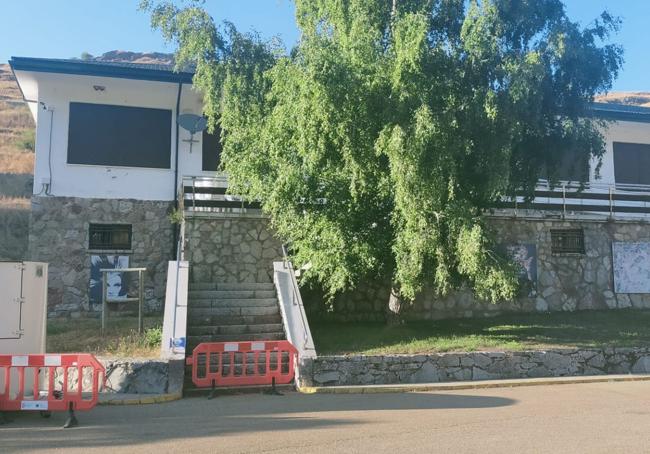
x,y
46,383
243,363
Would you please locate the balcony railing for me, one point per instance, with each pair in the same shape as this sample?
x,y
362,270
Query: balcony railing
x,y
572,198
207,195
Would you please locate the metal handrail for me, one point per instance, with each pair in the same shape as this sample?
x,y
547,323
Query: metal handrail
x,y
295,294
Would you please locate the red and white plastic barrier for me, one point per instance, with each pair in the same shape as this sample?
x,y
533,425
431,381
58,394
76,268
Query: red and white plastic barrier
x,y
46,383
243,363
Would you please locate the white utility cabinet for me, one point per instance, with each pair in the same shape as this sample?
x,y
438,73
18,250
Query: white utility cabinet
x,y
23,307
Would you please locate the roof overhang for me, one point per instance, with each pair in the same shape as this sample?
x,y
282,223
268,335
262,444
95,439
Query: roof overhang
x,y
621,112
102,69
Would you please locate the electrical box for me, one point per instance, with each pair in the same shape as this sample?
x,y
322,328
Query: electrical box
x,y
23,307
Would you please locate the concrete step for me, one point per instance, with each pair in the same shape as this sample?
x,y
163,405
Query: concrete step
x,y
217,320
189,390
247,302
230,294
232,286
193,341
234,311
199,330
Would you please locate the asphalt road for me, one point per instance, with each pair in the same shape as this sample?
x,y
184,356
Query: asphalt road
x,y
593,418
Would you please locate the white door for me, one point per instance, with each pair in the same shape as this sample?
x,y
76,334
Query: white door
x,y
11,275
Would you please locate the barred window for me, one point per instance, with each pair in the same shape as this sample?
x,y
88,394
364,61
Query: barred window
x,y
567,241
110,236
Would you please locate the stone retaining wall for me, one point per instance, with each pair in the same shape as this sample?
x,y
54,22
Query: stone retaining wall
x,y
565,282
233,249
134,376
58,235
443,367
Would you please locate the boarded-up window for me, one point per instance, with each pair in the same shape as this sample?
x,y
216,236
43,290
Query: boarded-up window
x,y
632,163
106,135
211,150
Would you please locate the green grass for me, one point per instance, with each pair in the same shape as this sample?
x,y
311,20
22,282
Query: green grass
x,y
622,328
121,337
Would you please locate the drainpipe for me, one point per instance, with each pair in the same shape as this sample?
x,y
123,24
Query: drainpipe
x,y
178,108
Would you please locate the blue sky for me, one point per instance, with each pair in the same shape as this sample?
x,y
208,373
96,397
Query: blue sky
x,y
66,28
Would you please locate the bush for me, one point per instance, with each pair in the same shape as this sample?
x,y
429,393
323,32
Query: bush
x,y
153,336
26,141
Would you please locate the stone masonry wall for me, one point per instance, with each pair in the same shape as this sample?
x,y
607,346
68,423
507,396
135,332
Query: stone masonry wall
x,y
59,236
233,249
443,367
565,282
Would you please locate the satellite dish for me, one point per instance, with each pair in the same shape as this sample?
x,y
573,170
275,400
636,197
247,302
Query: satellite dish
x,y
193,124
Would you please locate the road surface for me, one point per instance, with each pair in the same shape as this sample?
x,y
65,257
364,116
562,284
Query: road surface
x,y
593,418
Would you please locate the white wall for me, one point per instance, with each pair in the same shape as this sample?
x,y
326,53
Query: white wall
x,y
56,91
619,131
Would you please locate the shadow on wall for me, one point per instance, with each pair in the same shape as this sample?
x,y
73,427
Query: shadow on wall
x,y
14,229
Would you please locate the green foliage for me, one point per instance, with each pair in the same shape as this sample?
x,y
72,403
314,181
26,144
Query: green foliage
x,y
26,140
377,144
175,216
153,336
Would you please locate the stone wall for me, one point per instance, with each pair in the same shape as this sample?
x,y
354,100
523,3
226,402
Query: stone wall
x,y
233,249
443,367
565,282
58,235
131,376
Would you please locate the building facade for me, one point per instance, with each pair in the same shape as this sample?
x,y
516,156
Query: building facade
x,y
113,169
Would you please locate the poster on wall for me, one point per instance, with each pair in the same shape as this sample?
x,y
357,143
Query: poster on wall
x,y
117,287
631,267
525,255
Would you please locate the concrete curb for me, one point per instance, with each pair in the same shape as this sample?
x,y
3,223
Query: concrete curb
x,y
479,384
137,399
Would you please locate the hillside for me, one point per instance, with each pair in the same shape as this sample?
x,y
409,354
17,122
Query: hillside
x,y
640,98
16,128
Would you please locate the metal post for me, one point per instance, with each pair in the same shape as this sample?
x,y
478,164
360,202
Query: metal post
x,y
104,276
563,200
140,302
193,194
611,202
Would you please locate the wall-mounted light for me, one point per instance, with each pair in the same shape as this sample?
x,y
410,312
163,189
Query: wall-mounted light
x,y
99,87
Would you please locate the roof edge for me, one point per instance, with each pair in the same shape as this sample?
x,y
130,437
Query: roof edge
x,y
82,68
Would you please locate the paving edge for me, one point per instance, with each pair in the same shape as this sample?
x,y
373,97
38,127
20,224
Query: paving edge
x,y
479,384
135,399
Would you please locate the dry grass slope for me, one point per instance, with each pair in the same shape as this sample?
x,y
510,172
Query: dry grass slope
x,y
15,122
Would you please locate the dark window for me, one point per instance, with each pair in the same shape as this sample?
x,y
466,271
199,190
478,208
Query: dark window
x,y
110,236
632,163
211,150
574,167
567,241
105,135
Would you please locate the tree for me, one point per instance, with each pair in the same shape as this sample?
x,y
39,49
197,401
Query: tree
x,y
377,144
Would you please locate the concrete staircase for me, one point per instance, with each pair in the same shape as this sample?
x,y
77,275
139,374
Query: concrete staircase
x,y
231,312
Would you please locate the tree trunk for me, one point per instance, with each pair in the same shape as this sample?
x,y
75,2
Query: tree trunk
x,y
394,309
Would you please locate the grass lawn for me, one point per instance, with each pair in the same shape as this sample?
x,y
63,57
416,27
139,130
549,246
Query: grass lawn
x,y
621,328
121,338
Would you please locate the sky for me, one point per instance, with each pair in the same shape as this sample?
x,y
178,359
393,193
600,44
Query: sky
x,y
66,28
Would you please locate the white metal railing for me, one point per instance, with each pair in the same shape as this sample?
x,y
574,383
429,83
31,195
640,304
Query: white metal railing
x,y
209,195
594,197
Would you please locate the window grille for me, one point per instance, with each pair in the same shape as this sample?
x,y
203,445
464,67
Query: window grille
x,y
110,236
567,241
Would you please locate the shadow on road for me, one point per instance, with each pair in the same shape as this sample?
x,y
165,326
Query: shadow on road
x,y
198,417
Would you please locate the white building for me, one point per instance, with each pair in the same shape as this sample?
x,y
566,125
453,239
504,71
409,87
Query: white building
x,y
111,164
